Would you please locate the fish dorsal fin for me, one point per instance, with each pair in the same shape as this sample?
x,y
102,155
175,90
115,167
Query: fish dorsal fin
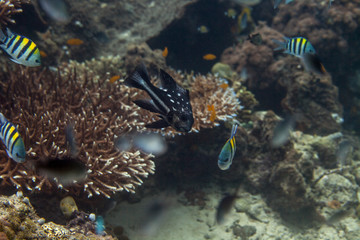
x,y
141,69
139,78
167,82
3,119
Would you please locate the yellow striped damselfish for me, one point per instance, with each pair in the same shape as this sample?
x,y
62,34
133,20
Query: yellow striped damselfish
x,y
228,151
10,136
296,46
20,49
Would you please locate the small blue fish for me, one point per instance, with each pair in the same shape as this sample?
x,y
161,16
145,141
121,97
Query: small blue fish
x,y
99,226
228,151
14,144
296,46
20,49
277,2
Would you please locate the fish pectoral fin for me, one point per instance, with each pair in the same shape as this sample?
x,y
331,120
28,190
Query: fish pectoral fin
x,y
148,105
9,154
158,124
15,61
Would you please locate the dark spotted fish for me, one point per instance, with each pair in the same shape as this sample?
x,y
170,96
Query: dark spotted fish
x,y
171,102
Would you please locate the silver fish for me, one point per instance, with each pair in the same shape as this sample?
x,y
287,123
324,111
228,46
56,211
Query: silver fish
x,y
282,131
56,10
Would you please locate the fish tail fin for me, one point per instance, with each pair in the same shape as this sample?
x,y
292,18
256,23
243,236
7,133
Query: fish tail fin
x,y
281,45
2,119
139,78
233,130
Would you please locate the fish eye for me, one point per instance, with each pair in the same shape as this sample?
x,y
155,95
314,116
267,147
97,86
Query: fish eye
x,y
37,60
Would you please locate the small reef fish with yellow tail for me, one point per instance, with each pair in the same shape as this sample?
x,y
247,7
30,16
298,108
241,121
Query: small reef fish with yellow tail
x,y
10,136
20,49
244,18
228,151
171,102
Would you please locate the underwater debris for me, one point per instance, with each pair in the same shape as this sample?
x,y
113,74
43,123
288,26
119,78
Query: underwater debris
x,y
9,8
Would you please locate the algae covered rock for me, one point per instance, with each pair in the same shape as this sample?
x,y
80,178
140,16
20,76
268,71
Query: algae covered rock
x,y
68,206
18,220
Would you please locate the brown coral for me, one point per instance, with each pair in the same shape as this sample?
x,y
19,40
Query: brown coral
x,y
42,104
9,8
281,83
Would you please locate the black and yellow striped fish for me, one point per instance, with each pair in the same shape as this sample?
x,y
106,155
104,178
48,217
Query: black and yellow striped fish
x,y
228,151
296,46
20,49
14,144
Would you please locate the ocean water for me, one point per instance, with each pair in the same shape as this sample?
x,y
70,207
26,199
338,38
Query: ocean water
x,y
294,162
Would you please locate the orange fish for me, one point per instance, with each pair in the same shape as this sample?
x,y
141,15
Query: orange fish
x,y
211,109
224,85
75,41
43,54
209,56
114,78
165,52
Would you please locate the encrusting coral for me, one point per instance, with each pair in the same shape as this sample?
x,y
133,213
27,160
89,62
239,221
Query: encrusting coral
x,y
19,220
42,104
9,8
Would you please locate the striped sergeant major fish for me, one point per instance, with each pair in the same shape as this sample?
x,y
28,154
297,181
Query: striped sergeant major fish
x,y
20,49
228,151
10,136
296,46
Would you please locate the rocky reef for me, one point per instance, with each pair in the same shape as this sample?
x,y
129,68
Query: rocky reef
x,y
18,220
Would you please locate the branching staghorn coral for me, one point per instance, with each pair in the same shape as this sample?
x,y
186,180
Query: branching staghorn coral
x,y
9,8
43,103
204,91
